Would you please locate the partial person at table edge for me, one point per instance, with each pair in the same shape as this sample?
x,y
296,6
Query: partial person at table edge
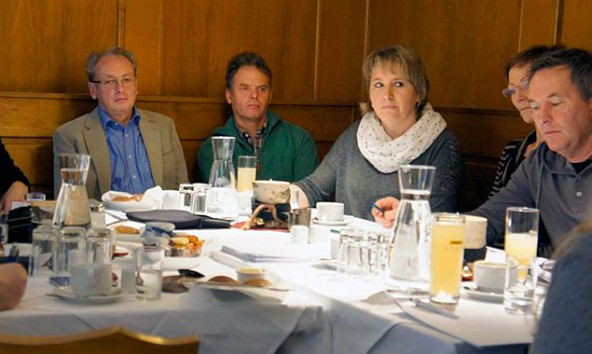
x,y
13,282
566,322
398,127
557,177
14,185
285,151
131,149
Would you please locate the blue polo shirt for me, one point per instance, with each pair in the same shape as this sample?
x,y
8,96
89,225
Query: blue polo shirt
x,y
130,167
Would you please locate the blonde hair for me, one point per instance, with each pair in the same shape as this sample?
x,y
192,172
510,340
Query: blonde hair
x,y
410,65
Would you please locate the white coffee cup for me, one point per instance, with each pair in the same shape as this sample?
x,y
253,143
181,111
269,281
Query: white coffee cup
x,y
171,199
319,234
90,279
299,234
489,276
475,231
330,211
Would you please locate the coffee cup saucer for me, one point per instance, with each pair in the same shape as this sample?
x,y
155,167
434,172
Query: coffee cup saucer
x,y
475,293
66,293
346,220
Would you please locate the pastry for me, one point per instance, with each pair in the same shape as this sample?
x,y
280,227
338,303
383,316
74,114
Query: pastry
x,y
223,279
262,283
127,198
126,230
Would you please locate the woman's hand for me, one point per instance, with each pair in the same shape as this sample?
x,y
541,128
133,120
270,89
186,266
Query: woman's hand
x,y
17,191
389,206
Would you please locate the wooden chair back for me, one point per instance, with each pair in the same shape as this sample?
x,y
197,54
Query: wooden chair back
x,y
109,340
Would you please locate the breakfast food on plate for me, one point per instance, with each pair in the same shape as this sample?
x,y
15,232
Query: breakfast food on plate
x,y
127,198
223,279
262,283
126,230
183,245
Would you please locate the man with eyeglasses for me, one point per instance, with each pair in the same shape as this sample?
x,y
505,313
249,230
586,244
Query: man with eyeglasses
x,y
131,149
557,177
517,150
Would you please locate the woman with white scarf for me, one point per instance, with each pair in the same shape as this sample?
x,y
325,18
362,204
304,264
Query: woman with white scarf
x,y
398,127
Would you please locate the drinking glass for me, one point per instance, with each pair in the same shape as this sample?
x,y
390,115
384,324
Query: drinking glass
x,y
43,246
448,235
247,172
199,198
3,229
35,197
69,249
521,246
185,191
149,273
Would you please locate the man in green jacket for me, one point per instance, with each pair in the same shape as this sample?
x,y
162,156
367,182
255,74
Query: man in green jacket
x,y
285,151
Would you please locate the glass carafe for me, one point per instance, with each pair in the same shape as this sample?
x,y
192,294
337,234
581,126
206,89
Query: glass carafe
x,y
72,208
409,255
222,196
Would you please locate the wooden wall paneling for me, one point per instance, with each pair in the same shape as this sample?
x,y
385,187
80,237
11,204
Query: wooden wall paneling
x,y
40,114
46,42
463,43
340,49
484,133
538,23
142,34
34,157
576,28
201,36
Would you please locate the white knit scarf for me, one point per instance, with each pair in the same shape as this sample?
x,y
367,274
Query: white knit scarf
x,y
387,154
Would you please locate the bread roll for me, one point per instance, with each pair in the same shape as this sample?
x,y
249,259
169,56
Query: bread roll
x,y
262,283
223,279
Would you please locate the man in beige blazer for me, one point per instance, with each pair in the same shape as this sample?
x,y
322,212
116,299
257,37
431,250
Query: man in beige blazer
x,y
131,149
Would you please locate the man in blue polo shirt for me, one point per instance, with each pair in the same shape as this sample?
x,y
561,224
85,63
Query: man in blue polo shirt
x,y
131,149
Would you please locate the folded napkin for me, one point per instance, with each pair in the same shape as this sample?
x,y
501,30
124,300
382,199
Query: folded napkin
x,y
181,218
278,253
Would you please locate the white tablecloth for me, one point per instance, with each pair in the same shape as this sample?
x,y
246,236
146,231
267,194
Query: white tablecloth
x,y
328,313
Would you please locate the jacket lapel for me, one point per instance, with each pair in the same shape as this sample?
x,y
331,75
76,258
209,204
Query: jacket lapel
x,y
96,143
151,137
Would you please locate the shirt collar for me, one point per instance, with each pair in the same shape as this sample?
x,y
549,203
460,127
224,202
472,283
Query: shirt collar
x,y
246,136
108,121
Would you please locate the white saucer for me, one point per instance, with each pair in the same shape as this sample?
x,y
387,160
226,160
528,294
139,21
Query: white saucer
x,y
476,294
343,222
65,293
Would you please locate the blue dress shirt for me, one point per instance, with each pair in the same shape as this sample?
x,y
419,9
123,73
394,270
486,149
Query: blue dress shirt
x,y
130,167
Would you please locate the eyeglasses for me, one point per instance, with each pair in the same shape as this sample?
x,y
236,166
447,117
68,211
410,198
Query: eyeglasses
x,y
111,84
511,89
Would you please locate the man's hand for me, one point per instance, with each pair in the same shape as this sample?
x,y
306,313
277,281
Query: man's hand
x,y
13,282
389,206
17,191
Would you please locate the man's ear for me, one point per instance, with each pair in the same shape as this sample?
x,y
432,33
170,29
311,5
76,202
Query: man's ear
x,y
92,89
228,96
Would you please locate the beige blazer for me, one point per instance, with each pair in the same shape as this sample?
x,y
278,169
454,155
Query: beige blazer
x,y
85,135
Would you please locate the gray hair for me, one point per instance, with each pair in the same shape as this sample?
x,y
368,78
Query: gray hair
x,y
94,58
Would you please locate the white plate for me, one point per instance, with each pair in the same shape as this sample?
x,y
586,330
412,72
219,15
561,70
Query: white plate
x,y
65,293
473,293
346,220
142,205
274,293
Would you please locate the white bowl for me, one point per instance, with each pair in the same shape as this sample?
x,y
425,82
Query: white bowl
x,y
141,205
271,192
245,274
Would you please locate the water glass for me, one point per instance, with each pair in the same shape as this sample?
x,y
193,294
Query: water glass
x,y
98,246
185,191
381,242
35,197
3,229
448,235
43,246
69,249
149,273
247,173
521,246
199,198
